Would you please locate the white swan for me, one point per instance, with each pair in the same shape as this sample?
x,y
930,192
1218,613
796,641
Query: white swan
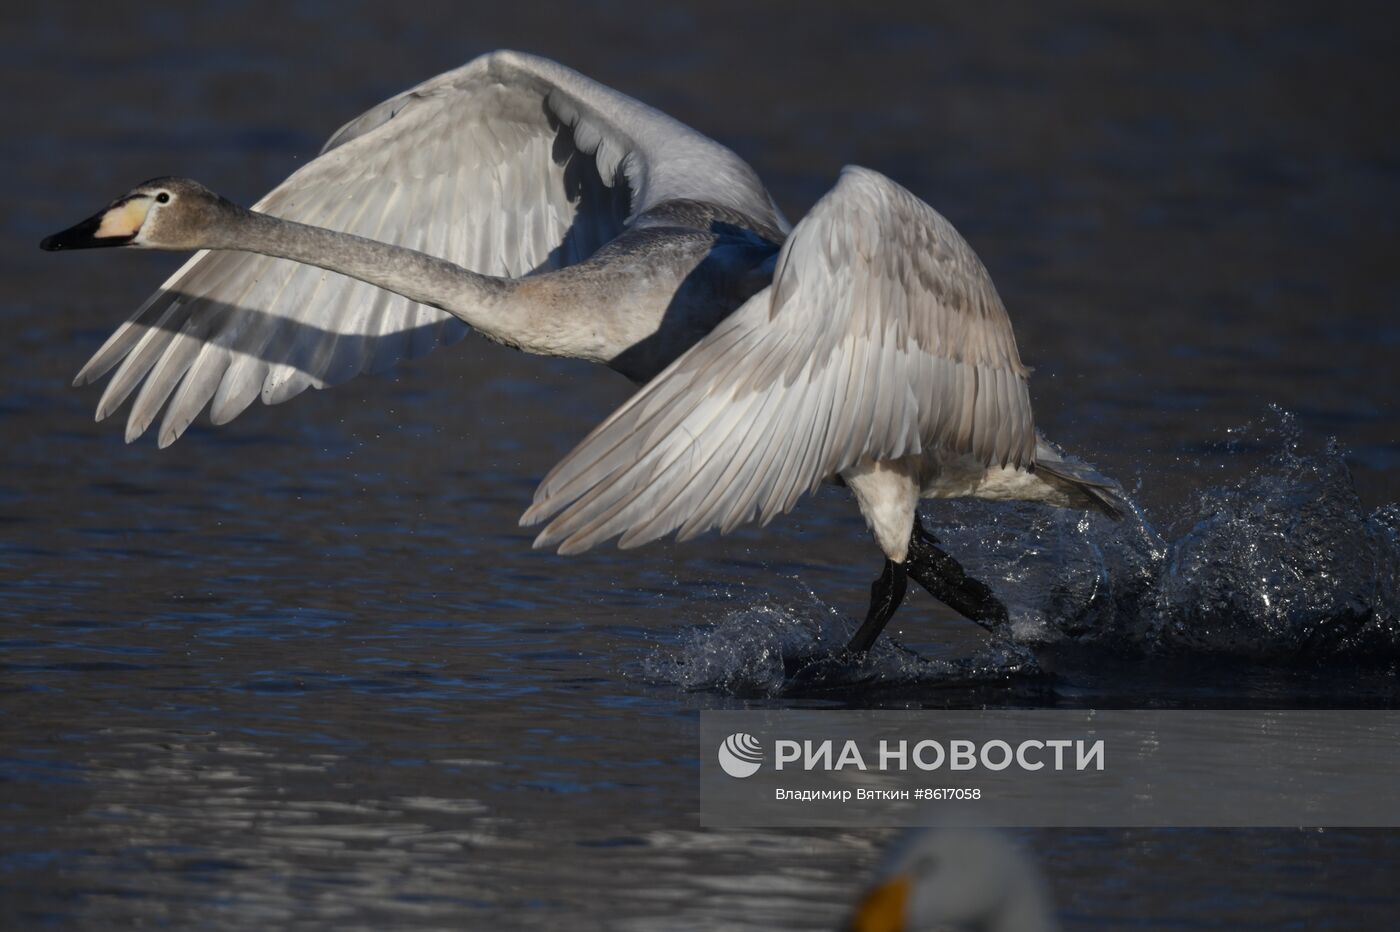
x,y
547,212
959,880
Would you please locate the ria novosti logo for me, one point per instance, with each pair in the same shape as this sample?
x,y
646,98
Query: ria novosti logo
x,y
740,755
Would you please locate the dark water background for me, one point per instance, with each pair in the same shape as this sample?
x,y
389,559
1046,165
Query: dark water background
x,y
305,670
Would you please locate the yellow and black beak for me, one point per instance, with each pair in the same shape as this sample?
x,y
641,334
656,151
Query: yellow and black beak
x,y
885,908
115,226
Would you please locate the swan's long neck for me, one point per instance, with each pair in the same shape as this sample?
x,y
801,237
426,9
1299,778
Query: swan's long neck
x,y
635,305
481,300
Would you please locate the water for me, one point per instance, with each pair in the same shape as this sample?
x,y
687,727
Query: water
x,y
305,670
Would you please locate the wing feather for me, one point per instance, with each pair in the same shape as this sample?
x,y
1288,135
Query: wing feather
x,y
881,336
508,165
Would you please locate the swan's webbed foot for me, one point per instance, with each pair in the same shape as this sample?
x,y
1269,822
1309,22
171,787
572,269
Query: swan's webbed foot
x,y
949,583
941,575
886,594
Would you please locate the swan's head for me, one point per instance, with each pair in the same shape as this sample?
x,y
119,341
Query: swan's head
x,y
163,213
954,879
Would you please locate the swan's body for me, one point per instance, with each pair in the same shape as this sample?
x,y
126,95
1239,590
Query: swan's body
x,y
555,215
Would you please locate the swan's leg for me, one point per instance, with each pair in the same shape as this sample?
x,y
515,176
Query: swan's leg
x,y
888,495
947,582
885,595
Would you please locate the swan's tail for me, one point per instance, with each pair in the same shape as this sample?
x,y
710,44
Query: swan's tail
x,y
1085,486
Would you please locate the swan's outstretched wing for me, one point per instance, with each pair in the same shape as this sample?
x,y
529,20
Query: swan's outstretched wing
x,y
509,164
881,336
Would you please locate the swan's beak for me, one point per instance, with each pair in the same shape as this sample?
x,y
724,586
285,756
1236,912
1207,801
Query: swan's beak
x,y
115,226
885,908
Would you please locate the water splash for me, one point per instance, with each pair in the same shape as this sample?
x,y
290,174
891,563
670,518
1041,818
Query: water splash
x,y
1283,563
1282,566
772,649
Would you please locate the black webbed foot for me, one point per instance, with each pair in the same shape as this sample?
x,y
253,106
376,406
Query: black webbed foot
x,y
941,575
886,593
948,582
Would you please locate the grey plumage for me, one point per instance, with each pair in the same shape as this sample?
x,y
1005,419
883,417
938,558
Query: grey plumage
x,y
1086,486
880,336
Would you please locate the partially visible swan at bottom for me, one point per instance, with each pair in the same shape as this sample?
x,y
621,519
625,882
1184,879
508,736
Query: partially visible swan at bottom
x,y
958,880
866,345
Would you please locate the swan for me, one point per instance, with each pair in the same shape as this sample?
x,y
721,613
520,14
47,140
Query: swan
x,y
956,879
515,197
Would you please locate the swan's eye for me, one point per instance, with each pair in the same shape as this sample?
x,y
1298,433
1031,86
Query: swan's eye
x,y
162,198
